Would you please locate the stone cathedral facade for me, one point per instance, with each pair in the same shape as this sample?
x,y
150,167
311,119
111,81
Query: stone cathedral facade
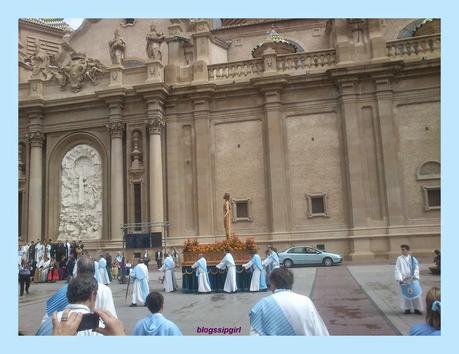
x,y
326,132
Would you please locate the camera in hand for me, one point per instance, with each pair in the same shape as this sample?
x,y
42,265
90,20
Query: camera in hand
x,y
89,321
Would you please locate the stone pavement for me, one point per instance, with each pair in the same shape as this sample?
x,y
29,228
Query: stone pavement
x,y
353,299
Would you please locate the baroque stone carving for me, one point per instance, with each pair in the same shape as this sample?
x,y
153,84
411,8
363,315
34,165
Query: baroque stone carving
x,y
117,48
115,129
78,70
154,40
155,124
36,138
80,215
39,62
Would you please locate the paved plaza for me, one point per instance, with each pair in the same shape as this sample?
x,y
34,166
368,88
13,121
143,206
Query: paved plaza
x,y
353,299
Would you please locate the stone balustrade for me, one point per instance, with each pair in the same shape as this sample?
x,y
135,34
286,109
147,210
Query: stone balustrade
x,y
235,70
322,59
424,46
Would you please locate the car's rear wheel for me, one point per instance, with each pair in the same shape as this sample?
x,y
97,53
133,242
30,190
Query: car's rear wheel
x,y
288,263
327,262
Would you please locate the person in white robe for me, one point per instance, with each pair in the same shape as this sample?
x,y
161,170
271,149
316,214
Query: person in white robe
x,y
155,324
140,288
258,281
168,268
48,250
104,279
39,251
285,313
228,263
407,272
203,277
44,271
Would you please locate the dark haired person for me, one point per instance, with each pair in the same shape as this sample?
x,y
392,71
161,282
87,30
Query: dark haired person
x,y
228,263
104,299
156,324
81,295
432,327
407,275
285,313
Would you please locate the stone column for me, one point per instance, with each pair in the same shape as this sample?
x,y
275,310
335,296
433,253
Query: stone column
x,y
35,210
384,97
116,128
354,173
155,124
276,156
204,198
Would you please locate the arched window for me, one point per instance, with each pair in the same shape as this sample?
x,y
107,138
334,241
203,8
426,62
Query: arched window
x,y
428,170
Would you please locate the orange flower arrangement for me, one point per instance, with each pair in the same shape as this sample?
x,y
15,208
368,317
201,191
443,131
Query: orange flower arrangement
x,y
234,243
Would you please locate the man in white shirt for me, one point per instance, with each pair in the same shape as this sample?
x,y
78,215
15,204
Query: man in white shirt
x,y
407,275
81,294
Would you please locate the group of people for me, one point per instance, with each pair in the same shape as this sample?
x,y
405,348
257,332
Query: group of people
x,y
260,271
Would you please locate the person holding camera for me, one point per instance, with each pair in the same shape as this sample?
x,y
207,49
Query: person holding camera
x,y
81,295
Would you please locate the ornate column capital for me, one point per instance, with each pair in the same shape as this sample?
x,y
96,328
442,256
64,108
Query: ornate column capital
x,y
115,129
155,124
35,138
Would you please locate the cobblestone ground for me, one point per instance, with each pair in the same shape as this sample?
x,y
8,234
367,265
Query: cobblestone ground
x,y
353,299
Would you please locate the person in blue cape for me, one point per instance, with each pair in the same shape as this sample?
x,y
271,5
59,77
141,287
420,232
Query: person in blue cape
x,y
432,326
104,279
258,281
285,313
201,272
271,262
156,324
140,289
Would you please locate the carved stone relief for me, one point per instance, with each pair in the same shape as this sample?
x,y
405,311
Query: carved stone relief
x,y
80,215
136,154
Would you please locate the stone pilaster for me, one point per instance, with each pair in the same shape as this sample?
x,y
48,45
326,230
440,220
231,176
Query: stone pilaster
x,y
115,127
354,173
274,138
155,125
384,98
204,198
36,139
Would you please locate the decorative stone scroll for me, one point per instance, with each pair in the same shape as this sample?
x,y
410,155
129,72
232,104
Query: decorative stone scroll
x,y
80,215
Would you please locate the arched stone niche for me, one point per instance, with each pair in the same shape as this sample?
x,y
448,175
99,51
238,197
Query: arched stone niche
x,y
77,201
428,170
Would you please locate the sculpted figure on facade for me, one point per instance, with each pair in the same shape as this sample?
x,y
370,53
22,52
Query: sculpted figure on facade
x,y
227,215
80,215
154,40
39,62
117,48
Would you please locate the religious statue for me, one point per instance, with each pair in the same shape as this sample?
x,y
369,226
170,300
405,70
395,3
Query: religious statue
x,y
117,48
227,215
154,40
39,62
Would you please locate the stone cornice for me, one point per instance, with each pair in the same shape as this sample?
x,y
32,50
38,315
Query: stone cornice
x,y
270,83
153,91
